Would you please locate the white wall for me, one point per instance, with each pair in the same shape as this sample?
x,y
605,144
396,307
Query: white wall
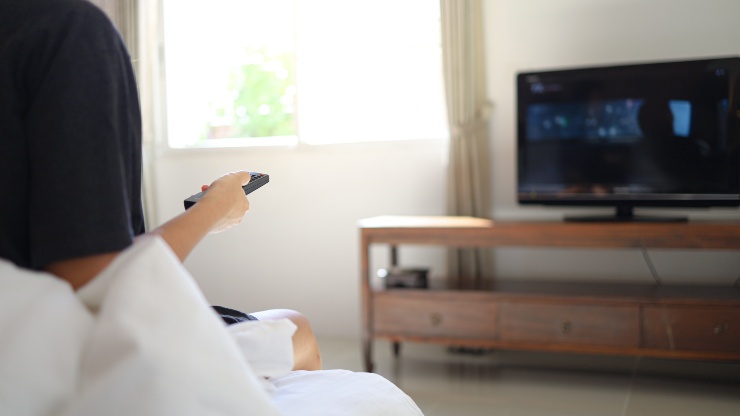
x,y
299,247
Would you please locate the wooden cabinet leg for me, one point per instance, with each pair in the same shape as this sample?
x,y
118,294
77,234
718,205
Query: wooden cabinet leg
x,y
367,353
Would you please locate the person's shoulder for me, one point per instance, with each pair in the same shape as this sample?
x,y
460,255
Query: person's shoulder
x,y
58,10
79,27
56,17
52,18
64,8
77,14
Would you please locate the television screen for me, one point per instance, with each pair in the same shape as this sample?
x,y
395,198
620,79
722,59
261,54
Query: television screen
x,y
659,134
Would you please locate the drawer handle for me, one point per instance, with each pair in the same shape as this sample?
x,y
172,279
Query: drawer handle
x,y
565,327
720,328
435,319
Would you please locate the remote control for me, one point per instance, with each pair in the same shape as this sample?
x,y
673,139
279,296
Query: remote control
x,y
258,179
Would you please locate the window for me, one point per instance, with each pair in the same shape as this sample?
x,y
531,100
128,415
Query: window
x,y
319,71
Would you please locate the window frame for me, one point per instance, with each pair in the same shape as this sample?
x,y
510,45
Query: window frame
x,y
291,141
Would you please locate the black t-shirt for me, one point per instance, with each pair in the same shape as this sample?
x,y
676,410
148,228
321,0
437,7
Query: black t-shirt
x,y
70,134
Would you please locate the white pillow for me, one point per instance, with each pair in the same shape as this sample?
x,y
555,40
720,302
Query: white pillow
x,y
43,332
266,345
340,393
158,348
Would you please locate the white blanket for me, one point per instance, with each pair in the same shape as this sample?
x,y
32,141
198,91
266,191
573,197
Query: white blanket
x,y
141,340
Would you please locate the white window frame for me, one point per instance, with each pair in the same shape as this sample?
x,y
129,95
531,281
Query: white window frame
x,y
440,133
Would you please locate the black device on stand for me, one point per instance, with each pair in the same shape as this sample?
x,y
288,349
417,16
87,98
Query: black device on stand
x,y
664,134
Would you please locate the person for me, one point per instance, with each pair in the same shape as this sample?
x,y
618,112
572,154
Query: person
x,y
666,158
71,154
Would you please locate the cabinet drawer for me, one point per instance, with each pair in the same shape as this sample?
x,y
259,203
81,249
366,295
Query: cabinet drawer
x,y
556,323
691,328
434,314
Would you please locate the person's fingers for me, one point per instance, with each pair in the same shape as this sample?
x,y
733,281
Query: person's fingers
x,y
244,176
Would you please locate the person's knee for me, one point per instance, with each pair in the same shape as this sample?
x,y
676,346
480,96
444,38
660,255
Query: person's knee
x,y
298,318
306,352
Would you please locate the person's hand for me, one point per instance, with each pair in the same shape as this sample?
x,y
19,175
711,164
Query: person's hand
x,y
226,196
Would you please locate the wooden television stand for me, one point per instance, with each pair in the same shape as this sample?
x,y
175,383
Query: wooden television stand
x,y
669,321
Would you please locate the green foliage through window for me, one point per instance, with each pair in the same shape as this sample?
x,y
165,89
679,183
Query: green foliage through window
x,y
258,99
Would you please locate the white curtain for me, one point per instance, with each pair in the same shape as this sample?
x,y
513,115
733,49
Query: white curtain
x,y
468,108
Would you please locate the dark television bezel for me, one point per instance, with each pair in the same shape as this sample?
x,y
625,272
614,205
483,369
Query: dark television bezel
x,y
624,205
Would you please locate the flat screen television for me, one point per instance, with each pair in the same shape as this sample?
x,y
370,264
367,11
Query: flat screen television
x,y
662,134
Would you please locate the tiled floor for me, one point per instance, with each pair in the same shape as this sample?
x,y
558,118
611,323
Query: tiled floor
x,y
536,384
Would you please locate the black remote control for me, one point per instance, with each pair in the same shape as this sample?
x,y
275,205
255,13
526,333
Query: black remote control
x,y
258,179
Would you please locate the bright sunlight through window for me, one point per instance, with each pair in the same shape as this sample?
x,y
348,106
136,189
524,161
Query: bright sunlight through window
x,y
270,72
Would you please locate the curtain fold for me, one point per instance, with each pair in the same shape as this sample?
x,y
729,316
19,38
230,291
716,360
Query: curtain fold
x,y
469,188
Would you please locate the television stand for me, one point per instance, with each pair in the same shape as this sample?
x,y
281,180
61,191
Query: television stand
x,y
624,213
666,321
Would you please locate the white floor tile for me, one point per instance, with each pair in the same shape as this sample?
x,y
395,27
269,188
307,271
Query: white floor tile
x,y
683,397
537,384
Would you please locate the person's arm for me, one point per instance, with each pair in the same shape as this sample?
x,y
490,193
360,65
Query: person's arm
x,y
222,207
80,270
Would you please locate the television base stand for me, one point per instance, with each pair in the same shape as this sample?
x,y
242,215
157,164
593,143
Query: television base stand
x,y
623,214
